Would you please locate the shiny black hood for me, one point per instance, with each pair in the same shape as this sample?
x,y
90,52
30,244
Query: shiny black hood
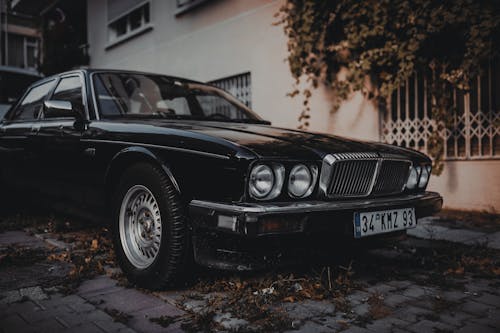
x,y
262,141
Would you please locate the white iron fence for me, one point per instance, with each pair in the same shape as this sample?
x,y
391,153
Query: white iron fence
x,y
475,133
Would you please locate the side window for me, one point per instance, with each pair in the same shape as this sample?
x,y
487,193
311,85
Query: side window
x,y
70,89
32,104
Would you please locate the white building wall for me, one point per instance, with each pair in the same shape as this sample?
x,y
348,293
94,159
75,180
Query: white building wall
x,y
228,37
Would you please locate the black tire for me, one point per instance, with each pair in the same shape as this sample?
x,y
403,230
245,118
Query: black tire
x,y
174,255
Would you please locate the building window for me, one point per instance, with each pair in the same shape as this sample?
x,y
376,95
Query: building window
x,y
240,86
475,133
127,18
23,51
185,5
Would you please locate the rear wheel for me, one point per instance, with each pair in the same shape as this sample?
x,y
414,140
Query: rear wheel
x,y
150,233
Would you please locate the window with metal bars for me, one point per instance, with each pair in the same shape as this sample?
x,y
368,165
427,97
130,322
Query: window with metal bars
x,y
475,130
240,86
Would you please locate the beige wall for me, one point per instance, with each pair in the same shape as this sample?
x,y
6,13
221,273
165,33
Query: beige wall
x,y
471,185
227,37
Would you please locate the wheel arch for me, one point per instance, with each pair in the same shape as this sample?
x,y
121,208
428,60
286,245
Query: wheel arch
x,y
127,157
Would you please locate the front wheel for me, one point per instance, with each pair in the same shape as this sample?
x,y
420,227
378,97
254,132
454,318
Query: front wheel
x,y
150,233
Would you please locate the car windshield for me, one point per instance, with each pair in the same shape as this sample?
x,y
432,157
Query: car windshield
x,y
141,95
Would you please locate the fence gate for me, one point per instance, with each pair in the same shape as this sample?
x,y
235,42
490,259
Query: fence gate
x,y
475,133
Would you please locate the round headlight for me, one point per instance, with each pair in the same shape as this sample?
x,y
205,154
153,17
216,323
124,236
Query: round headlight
x,y
300,181
424,177
413,178
261,181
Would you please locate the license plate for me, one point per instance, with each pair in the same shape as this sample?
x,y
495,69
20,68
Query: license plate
x,y
373,223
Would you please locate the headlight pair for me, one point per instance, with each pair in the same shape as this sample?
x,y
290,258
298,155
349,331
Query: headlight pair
x,y
419,177
266,181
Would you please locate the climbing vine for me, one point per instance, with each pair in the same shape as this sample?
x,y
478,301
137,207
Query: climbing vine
x,y
379,44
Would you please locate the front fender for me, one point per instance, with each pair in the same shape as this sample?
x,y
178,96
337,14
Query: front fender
x,y
127,156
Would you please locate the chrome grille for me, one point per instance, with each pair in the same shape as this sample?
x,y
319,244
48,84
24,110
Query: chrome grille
x,y
352,178
392,177
348,175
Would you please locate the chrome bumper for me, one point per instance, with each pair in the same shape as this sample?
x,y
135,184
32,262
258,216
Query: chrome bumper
x,y
240,217
318,206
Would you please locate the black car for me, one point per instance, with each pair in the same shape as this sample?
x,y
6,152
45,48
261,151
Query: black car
x,y
190,173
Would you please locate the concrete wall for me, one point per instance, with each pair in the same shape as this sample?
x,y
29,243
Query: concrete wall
x,y
227,37
470,185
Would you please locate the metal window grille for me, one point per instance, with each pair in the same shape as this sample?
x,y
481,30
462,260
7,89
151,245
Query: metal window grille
x,y
475,133
240,86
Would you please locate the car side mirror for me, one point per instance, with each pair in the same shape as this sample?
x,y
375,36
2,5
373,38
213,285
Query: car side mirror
x,y
60,109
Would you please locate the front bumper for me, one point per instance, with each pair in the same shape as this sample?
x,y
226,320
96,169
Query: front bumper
x,y
247,236
245,218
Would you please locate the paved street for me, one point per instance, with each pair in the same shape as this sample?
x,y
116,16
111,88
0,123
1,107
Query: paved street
x,y
413,286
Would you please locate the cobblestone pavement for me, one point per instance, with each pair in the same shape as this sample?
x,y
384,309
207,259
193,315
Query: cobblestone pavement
x,y
30,300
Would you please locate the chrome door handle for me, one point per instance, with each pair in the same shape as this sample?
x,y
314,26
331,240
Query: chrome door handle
x,y
35,128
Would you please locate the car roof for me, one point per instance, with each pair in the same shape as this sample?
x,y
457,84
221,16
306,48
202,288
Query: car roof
x,y
89,71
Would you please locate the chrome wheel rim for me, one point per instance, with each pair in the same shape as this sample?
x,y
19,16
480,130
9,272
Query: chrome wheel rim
x,y
140,226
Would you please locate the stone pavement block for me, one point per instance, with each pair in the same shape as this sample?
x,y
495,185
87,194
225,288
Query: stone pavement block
x,y
108,325
380,288
310,326
20,238
141,324
33,293
414,291
71,319
491,319
494,240
58,300
395,299
141,319
357,297
361,309
14,324
492,322
171,296
410,313
386,324
331,321
429,326
84,328
41,315
162,310
400,284
427,231
48,325
126,300
475,308
453,295
81,307
488,299
355,329
24,307
11,296
97,284
476,328
455,318
319,307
